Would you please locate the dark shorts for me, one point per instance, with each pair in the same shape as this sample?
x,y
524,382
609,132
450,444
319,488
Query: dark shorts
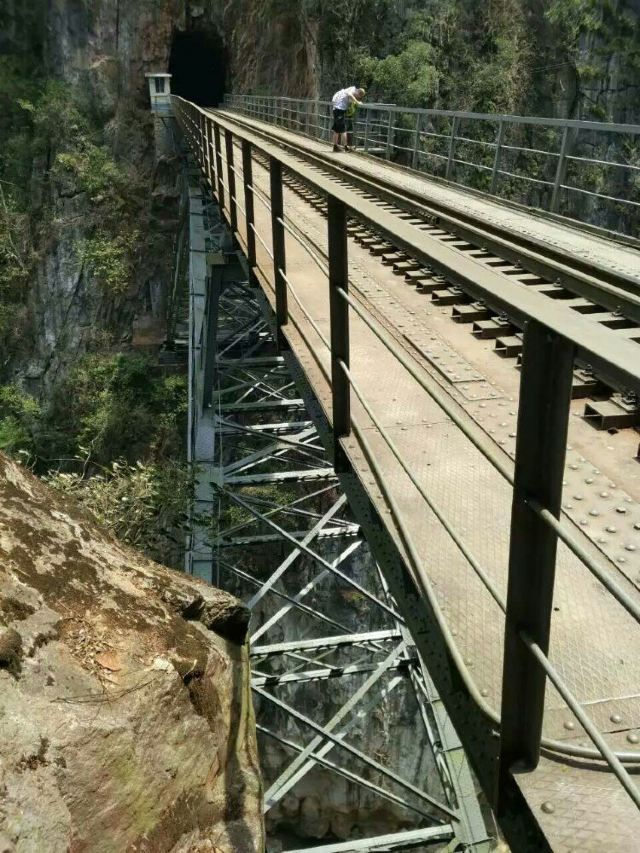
x,y
339,122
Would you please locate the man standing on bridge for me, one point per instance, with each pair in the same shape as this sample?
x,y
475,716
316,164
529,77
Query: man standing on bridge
x,y
341,101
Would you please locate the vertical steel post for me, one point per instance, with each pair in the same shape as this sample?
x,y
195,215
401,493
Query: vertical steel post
x,y
339,317
247,177
216,137
366,128
201,146
452,145
561,171
210,156
213,285
279,256
496,159
231,181
416,142
390,135
543,419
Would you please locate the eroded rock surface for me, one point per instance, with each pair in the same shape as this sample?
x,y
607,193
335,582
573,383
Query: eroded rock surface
x,y
125,712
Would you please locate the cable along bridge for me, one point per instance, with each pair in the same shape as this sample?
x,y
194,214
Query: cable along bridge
x,y
503,525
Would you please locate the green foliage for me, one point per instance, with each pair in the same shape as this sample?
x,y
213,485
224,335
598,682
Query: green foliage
x,y
112,437
575,17
113,407
450,54
48,121
94,169
410,77
19,415
142,504
110,260
108,407
589,34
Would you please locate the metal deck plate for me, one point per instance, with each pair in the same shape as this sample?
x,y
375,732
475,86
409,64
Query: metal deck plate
x,y
594,643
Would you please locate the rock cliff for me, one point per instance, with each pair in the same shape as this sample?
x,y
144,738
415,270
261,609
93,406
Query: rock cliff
x,y
125,711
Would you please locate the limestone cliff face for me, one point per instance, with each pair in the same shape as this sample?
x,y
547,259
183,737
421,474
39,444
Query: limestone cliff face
x,y
273,48
102,50
125,711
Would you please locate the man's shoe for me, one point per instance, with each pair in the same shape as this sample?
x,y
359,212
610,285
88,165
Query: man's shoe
x,y
348,148
337,148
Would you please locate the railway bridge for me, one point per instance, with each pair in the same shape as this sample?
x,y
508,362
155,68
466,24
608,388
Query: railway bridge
x,y
386,361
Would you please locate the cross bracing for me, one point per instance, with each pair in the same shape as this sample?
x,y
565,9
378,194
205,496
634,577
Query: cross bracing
x,y
344,703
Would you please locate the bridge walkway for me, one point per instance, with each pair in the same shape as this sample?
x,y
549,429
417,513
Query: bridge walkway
x,y
417,451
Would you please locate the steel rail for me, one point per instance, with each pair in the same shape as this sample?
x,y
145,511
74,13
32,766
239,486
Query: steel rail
x,y
610,288
563,533
613,357
578,124
498,145
554,745
547,743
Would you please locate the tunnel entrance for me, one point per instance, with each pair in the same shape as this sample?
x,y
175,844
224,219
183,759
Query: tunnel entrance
x,y
198,65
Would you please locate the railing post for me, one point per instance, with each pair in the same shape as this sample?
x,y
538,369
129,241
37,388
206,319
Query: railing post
x,y
496,159
543,419
390,135
339,317
366,129
247,177
452,144
210,155
279,256
231,181
202,153
561,171
216,137
416,142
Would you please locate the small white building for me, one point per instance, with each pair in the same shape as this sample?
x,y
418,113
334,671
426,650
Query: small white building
x,y
159,92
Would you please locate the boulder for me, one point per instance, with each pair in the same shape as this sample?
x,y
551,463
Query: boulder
x,y
126,721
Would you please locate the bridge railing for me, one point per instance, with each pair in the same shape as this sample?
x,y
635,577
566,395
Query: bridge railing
x,y
553,340
587,170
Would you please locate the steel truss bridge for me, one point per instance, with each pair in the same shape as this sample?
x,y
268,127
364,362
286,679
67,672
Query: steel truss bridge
x,y
330,419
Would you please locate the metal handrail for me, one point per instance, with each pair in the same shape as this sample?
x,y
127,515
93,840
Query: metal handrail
x,y
548,339
549,188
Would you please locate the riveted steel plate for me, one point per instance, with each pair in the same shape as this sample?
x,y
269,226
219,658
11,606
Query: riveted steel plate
x,y
583,812
594,642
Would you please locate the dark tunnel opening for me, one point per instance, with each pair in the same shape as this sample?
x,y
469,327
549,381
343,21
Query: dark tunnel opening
x,y
198,65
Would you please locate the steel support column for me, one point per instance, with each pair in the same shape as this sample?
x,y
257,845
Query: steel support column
x,y
452,147
231,181
543,419
495,172
561,171
211,175
339,319
247,177
279,255
216,136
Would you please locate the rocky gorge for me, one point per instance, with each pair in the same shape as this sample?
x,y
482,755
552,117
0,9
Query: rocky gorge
x,y
125,708
89,214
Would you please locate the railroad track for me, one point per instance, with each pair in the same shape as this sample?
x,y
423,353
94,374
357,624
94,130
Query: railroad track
x,y
606,296
591,641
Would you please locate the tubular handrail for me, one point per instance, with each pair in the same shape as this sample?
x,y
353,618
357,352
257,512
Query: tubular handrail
x,y
549,339
580,124
575,144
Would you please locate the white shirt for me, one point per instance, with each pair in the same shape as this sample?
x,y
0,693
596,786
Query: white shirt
x,y
341,99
